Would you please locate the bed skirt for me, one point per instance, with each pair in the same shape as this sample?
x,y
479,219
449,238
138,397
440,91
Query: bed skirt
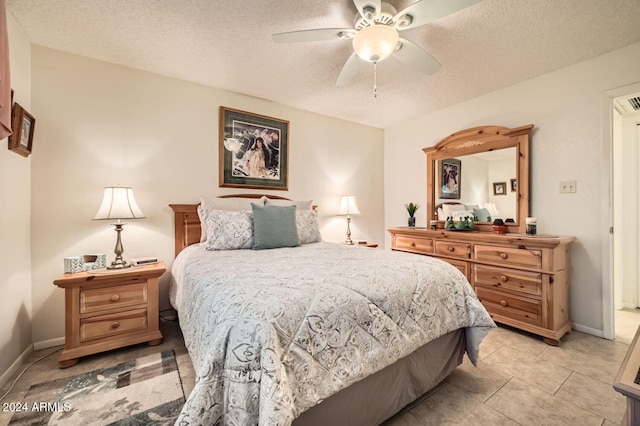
x,y
381,395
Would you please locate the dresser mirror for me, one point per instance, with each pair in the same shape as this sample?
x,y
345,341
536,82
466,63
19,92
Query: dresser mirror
x,y
481,172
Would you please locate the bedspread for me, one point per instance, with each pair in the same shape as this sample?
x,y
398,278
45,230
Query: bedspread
x,y
273,332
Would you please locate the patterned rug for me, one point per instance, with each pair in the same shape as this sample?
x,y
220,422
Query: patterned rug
x,y
144,391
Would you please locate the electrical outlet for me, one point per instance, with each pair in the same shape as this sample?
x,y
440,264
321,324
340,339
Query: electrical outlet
x,y
568,187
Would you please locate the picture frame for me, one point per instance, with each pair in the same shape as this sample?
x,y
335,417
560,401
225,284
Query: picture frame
x,y
514,185
253,150
450,171
500,188
23,125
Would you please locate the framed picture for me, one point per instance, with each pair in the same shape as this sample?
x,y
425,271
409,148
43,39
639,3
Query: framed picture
x,y
23,125
514,185
450,177
254,150
500,188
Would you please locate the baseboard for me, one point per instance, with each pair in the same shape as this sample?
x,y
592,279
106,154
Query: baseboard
x,y
17,364
588,330
44,344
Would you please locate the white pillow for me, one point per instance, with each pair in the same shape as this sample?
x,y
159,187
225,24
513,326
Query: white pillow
x,y
215,203
448,209
300,205
229,230
308,228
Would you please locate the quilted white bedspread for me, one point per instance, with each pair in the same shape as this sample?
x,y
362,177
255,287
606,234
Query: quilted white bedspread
x,y
273,332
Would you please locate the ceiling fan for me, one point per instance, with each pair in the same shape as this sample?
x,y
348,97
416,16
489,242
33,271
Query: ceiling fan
x,y
375,35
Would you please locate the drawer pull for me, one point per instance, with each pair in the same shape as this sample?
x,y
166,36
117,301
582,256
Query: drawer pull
x,y
115,325
504,278
451,249
115,297
504,255
504,303
412,244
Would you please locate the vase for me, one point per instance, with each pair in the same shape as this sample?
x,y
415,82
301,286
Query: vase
x,y
412,221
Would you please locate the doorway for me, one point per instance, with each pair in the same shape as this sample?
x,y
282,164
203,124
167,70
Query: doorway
x,y
625,246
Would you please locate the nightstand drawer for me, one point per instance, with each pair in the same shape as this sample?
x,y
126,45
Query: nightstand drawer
x,y
508,256
511,306
108,325
528,283
453,249
414,244
100,299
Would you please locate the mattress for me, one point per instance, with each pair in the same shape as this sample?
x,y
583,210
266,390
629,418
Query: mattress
x,y
272,333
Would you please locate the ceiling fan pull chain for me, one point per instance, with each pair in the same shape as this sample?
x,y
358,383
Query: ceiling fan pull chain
x,y
375,79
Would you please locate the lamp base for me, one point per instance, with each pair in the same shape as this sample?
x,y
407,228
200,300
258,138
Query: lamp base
x,y
118,264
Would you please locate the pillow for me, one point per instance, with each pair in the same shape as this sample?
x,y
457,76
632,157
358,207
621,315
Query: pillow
x,y
229,230
300,205
448,209
307,226
483,215
214,203
274,226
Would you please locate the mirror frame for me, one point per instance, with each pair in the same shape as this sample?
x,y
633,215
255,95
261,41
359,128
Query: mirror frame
x,y
484,139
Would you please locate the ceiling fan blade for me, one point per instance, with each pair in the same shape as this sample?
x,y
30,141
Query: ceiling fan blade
x,y
322,34
413,56
353,65
425,11
362,4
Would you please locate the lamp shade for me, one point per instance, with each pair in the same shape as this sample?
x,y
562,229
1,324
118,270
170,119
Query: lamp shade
x,y
375,43
348,206
118,203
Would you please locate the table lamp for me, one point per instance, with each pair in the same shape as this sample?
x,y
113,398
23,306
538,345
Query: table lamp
x,y
118,203
348,207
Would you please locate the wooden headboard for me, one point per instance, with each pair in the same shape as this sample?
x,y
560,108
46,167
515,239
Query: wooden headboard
x,y
187,223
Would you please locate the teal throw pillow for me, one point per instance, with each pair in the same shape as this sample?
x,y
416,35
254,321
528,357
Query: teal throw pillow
x,y
274,227
483,215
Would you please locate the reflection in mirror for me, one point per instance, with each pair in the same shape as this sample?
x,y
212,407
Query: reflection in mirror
x,y
492,165
481,185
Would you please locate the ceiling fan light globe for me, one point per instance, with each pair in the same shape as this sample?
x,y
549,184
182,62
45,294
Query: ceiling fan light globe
x,y
375,43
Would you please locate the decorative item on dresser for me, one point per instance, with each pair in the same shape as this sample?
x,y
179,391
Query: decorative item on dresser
x,y
109,309
522,280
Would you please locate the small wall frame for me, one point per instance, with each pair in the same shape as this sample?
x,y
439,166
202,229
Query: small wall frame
x,y
23,125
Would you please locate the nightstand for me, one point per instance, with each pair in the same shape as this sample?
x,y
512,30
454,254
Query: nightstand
x,y
109,309
366,244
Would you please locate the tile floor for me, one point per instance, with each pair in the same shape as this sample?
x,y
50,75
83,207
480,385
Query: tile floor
x,y
519,381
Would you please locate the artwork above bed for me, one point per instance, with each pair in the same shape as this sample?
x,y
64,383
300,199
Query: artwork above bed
x,y
253,150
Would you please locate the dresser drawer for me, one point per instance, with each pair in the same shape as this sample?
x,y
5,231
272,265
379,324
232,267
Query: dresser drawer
x,y
100,299
414,244
508,256
527,283
460,265
511,306
109,325
453,249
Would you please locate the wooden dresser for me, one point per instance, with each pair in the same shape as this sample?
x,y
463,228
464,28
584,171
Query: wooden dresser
x,y
522,281
106,310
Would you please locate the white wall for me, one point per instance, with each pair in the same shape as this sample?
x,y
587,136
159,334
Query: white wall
x,y
100,124
565,107
15,215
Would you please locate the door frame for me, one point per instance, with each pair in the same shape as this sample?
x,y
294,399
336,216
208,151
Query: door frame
x,y
608,294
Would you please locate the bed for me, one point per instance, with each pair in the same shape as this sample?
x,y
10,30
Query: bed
x,y
315,333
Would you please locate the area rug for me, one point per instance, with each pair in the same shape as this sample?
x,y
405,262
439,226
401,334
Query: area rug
x,y
144,391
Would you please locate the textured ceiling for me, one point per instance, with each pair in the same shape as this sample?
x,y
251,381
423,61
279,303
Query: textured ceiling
x,y
227,44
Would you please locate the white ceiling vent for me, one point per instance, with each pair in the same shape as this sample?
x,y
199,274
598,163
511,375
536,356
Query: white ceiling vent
x,y
627,104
